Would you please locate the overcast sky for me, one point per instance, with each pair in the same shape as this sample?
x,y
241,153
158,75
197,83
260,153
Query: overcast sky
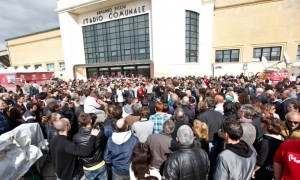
x,y
21,17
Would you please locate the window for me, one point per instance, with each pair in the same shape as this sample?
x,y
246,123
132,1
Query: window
x,y
298,53
270,53
118,40
26,66
231,55
50,67
37,65
191,36
62,66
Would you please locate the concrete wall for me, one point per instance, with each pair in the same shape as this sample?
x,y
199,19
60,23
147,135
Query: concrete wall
x,y
248,24
41,48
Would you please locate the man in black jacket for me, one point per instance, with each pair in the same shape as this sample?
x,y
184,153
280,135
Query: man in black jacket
x,y
93,165
64,152
189,162
186,108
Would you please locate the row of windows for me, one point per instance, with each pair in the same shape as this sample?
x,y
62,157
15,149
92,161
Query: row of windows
x,y
119,40
50,66
270,53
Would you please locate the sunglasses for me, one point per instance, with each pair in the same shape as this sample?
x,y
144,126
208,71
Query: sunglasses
x,y
293,122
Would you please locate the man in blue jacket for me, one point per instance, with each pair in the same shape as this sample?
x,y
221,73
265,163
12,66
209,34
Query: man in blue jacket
x,y
119,149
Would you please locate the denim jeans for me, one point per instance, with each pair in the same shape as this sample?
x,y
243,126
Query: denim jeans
x,y
98,111
120,177
100,174
77,177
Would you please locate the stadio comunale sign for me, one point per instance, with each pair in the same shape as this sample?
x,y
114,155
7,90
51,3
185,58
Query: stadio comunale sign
x,y
115,12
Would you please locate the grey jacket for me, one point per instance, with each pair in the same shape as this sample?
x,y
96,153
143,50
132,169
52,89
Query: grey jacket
x,y
231,166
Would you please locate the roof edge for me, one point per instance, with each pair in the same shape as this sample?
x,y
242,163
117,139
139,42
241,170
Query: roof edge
x,y
56,28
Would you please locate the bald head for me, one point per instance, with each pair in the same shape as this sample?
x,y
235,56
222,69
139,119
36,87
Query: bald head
x,y
61,124
292,119
219,99
185,100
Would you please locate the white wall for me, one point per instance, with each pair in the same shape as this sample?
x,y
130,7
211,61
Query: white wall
x,y
72,41
168,37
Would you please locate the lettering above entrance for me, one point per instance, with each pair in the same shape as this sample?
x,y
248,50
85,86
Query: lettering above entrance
x,y
115,12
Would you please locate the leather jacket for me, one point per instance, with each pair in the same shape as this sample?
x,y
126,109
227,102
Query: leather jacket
x,y
187,163
82,139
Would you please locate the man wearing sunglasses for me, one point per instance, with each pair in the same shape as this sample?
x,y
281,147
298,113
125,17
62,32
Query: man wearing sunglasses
x,y
290,127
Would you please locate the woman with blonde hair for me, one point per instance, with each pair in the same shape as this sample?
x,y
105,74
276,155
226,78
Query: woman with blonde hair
x,y
201,133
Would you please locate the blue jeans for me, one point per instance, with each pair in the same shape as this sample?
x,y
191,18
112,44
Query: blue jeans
x,y
119,177
98,111
100,174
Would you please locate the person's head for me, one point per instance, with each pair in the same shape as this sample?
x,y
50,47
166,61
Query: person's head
x,y
110,110
244,98
145,113
246,111
84,119
159,106
232,130
94,93
292,120
31,106
20,99
121,125
179,114
285,94
117,113
176,105
54,92
53,118
3,105
185,135
294,106
200,129
63,125
166,108
269,110
209,102
185,100
136,109
141,160
219,99
271,125
168,126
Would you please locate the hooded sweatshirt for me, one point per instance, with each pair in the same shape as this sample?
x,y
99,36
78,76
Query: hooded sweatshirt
x,y
236,162
118,151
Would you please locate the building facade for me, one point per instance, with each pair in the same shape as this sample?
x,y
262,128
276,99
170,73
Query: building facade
x,y
246,30
136,37
38,49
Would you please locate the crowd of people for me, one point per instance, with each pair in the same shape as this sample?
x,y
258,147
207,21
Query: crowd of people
x,y
163,128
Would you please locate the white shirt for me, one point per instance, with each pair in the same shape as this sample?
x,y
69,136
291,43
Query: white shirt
x,y
120,95
219,108
153,172
90,105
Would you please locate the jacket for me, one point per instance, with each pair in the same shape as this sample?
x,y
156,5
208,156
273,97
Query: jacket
x,y
28,117
188,163
82,139
236,162
214,120
188,112
118,151
289,134
159,145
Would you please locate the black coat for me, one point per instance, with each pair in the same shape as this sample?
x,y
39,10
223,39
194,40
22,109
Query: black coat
x,y
82,139
188,112
214,120
187,163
